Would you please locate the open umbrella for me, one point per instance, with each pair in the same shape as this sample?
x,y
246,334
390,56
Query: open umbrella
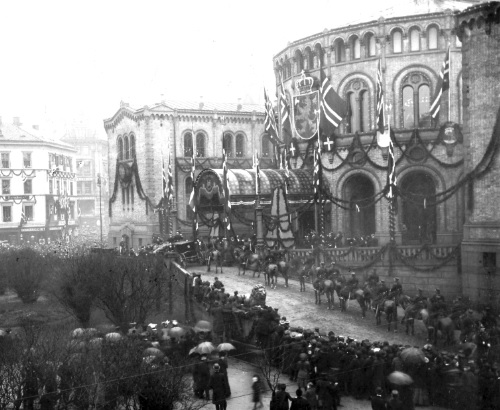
x,y
113,337
205,348
203,326
153,351
95,343
225,347
400,378
176,332
413,356
193,352
77,333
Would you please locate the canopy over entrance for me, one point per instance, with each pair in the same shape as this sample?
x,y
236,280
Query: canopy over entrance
x,y
242,184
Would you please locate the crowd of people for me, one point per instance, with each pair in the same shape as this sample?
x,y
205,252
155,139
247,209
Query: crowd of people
x,y
337,240
327,366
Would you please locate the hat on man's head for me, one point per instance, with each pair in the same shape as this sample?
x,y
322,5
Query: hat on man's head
x,y
378,390
395,393
216,367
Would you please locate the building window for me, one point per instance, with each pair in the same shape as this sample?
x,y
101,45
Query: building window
x,y
240,145
415,39
85,168
355,49
71,188
5,159
28,186
70,164
119,148
27,159
432,38
87,187
358,99
228,145
5,186
51,187
28,212
72,210
126,147
7,213
339,47
132,146
299,60
188,144
397,41
416,101
200,145
58,187
371,48
140,242
266,151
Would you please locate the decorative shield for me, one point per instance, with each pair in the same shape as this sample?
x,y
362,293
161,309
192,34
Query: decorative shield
x,y
306,114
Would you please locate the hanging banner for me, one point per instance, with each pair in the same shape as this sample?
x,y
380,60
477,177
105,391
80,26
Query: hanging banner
x,y
306,114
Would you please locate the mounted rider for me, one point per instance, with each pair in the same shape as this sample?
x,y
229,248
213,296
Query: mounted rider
x,y
420,298
438,304
396,290
373,279
469,325
380,293
353,282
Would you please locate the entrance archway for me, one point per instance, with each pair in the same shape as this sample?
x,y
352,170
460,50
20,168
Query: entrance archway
x,y
419,214
360,221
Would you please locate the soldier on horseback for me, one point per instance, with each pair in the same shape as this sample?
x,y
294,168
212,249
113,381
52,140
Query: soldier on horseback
x,y
396,290
353,282
373,279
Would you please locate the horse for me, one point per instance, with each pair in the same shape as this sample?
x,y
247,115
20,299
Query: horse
x,y
439,323
214,254
389,307
326,286
271,274
412,312
347,294
283,268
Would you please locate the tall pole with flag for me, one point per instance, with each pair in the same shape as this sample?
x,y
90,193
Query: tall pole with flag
x,y
192,200
391,192
271,128
442,86
227,190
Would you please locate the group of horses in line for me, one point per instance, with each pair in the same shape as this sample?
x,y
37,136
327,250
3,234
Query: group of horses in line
x,y
437,320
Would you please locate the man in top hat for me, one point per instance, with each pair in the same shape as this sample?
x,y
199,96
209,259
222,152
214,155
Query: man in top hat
x,y
395,402
218,384
378,402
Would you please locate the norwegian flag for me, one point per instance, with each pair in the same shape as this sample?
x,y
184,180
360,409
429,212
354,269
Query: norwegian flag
x,y
270,120
285,161
391,170
333,107
443,85
294,148
24,220
168,186
286,125
227,190
380,100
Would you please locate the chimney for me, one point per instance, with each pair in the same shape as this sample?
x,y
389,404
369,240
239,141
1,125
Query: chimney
x,y
239,106
201,103
16,121
36,127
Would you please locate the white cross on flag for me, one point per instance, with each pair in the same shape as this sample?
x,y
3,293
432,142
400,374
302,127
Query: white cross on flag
x,y
329,144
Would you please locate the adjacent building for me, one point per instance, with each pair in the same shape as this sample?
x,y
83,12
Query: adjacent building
x,y
38,194
141,143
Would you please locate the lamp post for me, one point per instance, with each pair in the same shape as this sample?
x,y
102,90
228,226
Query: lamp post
x,y
99,184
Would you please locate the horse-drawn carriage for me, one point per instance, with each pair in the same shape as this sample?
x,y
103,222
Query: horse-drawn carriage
x,y
188,251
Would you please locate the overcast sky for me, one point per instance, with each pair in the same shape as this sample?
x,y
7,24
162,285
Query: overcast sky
x,y
66,60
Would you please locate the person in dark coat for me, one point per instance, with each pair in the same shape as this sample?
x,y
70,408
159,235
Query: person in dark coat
x,y
300,403
256,392
201,377
328,394
222,362
282,397
218,384
395,402
378,402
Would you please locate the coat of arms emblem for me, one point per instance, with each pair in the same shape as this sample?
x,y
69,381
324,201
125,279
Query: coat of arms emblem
x,y
306,108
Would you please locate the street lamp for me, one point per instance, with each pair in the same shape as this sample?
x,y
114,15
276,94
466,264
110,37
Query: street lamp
x,y
99,184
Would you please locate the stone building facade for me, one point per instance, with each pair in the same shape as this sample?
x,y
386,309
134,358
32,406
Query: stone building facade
x,y
411,50
141,141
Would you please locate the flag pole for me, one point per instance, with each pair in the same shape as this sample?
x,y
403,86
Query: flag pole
x,y
449,80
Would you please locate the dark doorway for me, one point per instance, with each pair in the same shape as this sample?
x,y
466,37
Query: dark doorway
x,y
419,212
359,190
306,224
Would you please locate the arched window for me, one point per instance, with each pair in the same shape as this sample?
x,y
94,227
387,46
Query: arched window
x,y
188,187
288,69
119,149
416,101
240,145
358,98
266,147
408,107
371,48
132,146
414,39
299,61
397,41
227,141
339,50
360,219
200,145
126,147
355,48
458,43
424,98
364,111
308,59
318,50
432,38
188,144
